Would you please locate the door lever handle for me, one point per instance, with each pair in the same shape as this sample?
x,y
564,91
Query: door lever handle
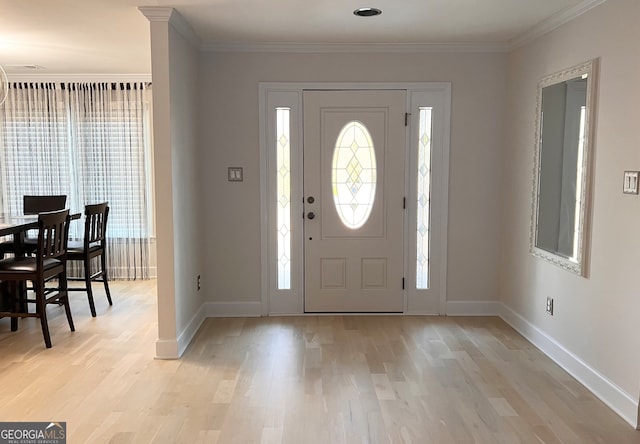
x,y
311,215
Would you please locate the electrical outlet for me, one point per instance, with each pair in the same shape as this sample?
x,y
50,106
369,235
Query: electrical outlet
x,y
198,282
550,306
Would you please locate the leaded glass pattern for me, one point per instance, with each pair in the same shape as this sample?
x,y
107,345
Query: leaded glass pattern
x,y
283,196
423,198
353,175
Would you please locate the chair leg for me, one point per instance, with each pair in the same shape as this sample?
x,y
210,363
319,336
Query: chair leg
x,y
67,309
41,309
14,288
103,263
62,288
87,283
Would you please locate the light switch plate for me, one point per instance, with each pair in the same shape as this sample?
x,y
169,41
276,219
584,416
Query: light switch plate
x,y
235,174
630,184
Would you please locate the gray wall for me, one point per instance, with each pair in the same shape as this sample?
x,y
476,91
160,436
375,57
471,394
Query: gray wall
x,y
596,318
185,158
230,136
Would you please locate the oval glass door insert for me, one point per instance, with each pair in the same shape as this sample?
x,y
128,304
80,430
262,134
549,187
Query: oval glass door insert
x,y
353,175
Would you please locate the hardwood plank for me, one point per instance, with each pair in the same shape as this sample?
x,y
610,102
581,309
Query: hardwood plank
x,y
299,379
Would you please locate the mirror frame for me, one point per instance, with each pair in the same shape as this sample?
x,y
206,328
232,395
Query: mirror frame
x,y
579,266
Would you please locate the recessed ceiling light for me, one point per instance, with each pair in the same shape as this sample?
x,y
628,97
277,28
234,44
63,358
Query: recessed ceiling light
x,y
367,12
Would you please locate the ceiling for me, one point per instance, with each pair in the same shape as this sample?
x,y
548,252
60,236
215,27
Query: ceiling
x,y
112,36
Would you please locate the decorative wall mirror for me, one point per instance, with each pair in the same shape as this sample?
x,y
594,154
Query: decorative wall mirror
x,y
562,167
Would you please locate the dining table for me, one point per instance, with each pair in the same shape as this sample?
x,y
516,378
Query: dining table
x,y
17,226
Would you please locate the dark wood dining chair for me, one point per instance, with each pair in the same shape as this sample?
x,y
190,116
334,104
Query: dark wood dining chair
x,y
32,205
40,204
48,266
93,245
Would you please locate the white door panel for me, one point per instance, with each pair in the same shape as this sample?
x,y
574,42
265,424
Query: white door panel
x,y
353,253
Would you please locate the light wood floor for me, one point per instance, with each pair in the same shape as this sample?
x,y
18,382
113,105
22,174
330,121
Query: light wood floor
x,y
297,380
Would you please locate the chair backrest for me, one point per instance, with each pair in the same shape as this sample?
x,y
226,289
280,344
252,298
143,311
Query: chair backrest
x,y
40,204
53,234
95,223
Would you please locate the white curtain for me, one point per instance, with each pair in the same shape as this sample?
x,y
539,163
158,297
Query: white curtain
x,y
90,141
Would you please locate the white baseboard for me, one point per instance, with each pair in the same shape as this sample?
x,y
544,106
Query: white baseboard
x,y
187,335
613,396
233,309
167,349
173,349
473,308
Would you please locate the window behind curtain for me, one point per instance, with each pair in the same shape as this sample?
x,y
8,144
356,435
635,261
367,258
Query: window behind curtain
x,y
34,144
89,141
112,158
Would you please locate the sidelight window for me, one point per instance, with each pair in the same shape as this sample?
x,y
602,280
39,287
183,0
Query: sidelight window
x,y
283,196
424,199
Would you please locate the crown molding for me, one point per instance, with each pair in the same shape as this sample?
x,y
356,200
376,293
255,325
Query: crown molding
x,y
156,13
553,22
174,18
495,47
168,14
61,78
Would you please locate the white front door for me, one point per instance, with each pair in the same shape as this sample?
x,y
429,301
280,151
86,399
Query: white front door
x,y
354,160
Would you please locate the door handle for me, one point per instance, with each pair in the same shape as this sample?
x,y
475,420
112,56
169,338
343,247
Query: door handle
x,y
311,215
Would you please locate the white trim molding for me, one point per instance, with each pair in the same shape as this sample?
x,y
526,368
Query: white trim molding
x,y
470,47
171,15
625,405
233,309
473,308
186,336
156,13
553,22
174,18
558,19
173,349
167,349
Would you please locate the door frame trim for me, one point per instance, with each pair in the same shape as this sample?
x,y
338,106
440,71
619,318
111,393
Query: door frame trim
x,y
291,301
